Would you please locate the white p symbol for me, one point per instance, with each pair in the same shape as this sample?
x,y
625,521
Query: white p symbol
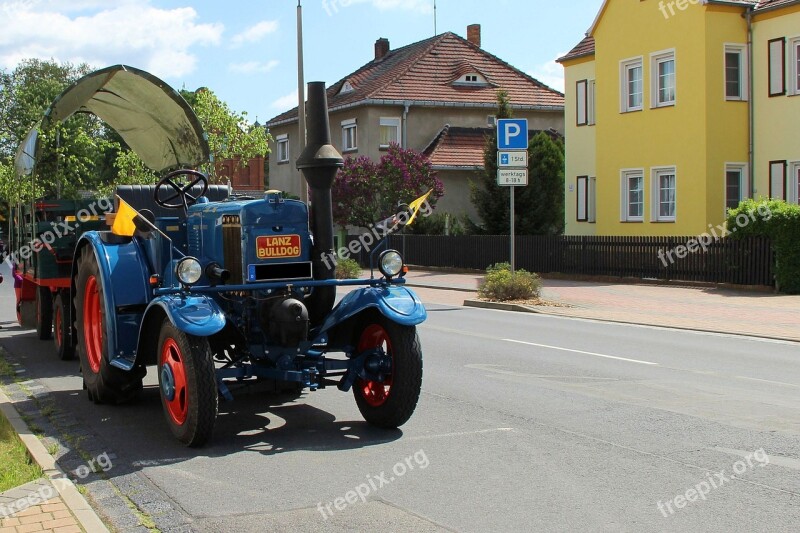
x,y
512,130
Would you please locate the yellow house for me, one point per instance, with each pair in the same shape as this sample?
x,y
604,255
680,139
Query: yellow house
x,y
776,81
659,120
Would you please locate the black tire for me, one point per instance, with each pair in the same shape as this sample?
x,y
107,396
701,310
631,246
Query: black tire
x,y
191,411
397,404
44,313
103,382
62,339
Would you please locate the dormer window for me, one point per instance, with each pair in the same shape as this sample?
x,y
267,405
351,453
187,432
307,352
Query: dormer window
x,y
347,88
471,78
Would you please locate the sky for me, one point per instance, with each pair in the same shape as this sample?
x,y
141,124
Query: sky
x,y
246,51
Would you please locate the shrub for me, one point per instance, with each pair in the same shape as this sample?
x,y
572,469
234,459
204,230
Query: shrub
x,y
780,222
347,269
501,285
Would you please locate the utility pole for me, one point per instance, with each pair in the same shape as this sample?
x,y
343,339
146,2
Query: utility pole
x,y
435,26
301,100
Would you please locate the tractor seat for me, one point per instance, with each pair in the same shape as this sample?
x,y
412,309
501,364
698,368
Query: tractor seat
x,y
141,197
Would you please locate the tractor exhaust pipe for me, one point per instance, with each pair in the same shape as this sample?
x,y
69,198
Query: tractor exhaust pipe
x,y
320,162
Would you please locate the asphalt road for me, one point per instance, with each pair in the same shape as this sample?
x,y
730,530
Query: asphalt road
x,y
526,423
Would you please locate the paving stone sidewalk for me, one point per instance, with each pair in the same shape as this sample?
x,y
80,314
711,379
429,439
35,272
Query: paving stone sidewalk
x,y
35,506
720,310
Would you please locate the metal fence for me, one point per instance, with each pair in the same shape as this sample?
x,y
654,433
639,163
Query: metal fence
x,y
742,262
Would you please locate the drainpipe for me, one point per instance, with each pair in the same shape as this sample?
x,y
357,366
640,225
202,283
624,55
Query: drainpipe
x,y
405,124
751,102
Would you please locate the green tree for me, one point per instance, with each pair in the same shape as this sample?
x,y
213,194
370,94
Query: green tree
x,y
539,206
230,135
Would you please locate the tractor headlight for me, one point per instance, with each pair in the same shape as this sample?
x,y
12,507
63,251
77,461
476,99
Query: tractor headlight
x,y
390,263
189,270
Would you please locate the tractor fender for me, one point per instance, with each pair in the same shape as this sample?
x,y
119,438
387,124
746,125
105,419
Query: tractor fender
x,y
197,315
124,276
397,303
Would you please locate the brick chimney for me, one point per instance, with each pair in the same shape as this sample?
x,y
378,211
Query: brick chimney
x,y
474,34
381,48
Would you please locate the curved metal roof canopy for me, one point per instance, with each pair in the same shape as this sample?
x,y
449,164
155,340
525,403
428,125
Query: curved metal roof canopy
x,y
152,118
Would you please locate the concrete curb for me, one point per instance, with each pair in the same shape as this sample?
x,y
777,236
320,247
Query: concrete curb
x,y
525,309
439,287
66,489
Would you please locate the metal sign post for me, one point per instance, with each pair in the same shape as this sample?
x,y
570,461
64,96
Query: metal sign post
x,y
512,165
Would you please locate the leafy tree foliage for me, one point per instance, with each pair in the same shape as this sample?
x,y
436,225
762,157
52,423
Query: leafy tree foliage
x,y
366,192
230,135
538,207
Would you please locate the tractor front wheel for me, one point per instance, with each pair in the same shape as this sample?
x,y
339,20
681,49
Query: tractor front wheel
x,y
188,385
103,382
391,402
61,328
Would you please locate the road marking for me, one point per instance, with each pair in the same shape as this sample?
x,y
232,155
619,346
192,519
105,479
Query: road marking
x,y
786,462
583,352
769,381
497,369
462,433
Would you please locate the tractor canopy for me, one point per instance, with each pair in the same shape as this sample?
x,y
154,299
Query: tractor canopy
x,y
152,118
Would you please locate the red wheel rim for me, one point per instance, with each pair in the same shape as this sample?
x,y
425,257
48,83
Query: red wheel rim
x,y
375,393
92,324
57,322
172,359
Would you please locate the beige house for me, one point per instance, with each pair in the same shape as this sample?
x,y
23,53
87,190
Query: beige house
x,y
437,95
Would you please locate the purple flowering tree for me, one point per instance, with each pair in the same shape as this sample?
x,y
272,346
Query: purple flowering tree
x,y
366,192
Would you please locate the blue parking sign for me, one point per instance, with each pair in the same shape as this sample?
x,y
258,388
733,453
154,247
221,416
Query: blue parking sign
x,y
512,134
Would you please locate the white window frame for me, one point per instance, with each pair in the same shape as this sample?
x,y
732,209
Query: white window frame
x,y
794,66
624,67
656,59
656,173
282,141
590,103
793,192
741,51
744,181
625,176
778,171
349,127
390,122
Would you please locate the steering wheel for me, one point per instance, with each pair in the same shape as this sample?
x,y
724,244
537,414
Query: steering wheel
x,y
180,183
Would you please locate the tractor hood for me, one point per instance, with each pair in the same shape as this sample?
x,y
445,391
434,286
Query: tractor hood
x,y
152,118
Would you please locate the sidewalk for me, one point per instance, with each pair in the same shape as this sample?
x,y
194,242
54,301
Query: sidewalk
x,y
51,503
701,309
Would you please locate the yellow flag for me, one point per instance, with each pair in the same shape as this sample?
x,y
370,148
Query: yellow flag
x,y
416,205
123,222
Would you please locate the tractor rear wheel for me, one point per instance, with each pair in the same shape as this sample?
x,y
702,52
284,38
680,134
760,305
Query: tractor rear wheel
x,y
391,402
188,385
103,382
61,328
44,312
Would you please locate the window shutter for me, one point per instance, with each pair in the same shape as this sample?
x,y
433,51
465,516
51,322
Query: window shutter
x,y
777,180
777,67
581,103
583,197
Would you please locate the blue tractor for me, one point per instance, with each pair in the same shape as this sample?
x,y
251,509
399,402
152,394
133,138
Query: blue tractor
x,y
215,292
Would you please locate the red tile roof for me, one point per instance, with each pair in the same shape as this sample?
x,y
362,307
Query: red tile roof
x,y
425,72
582,49
462,148
458,148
